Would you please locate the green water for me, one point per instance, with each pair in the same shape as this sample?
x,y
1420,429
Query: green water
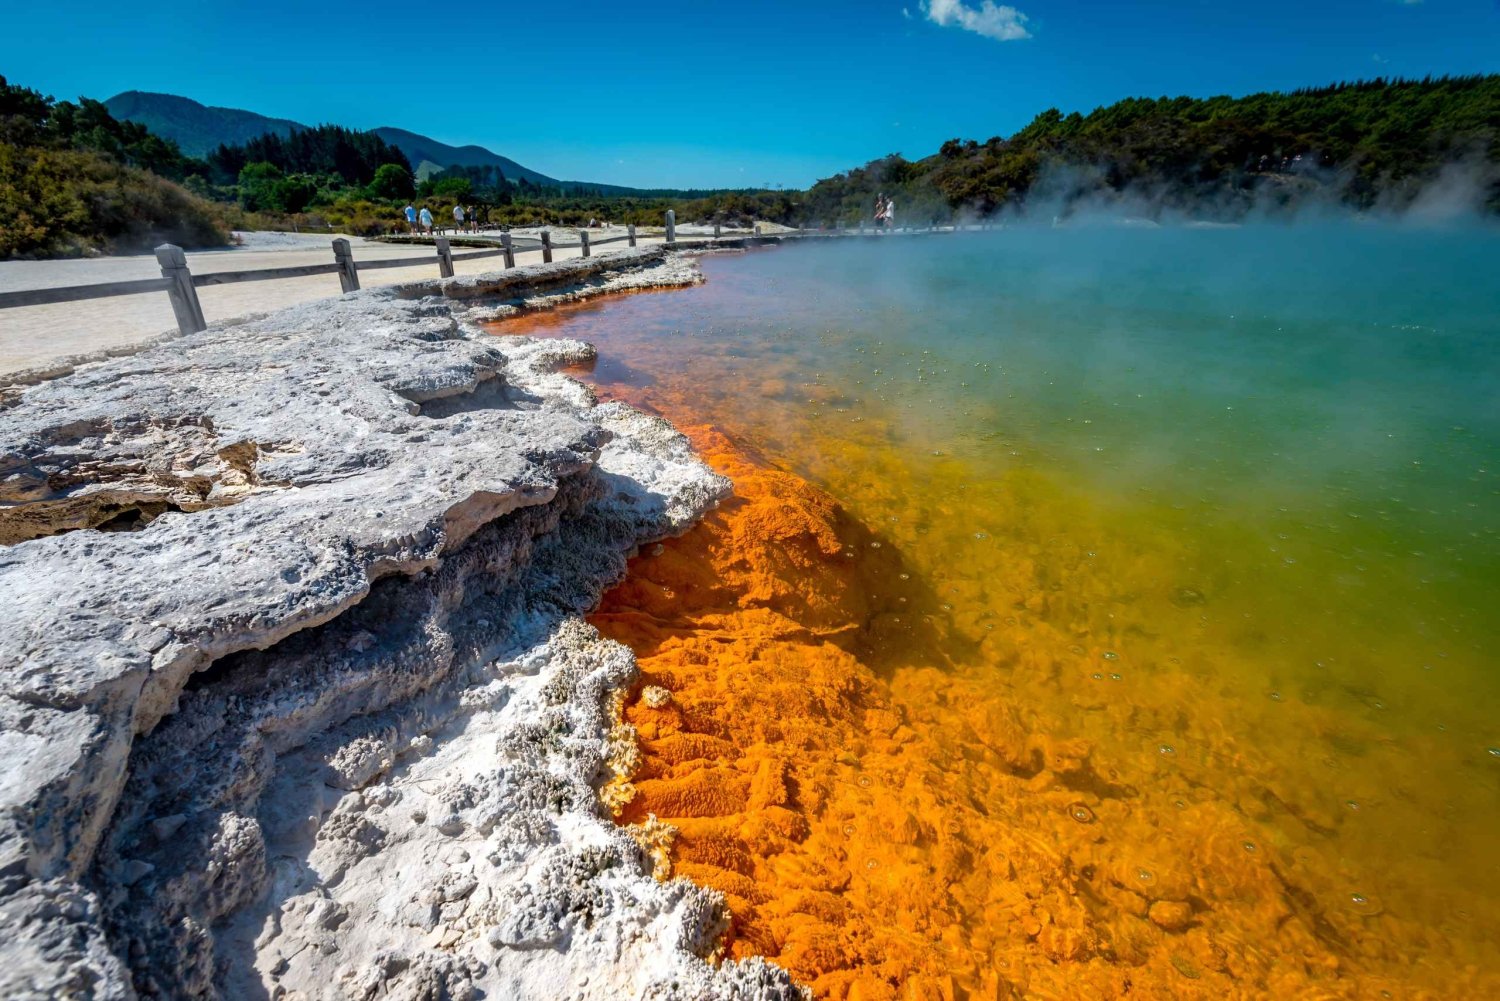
x,y
1331,390
1247,473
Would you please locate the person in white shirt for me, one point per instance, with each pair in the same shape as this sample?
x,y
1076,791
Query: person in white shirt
x,y
426,220
890,213
458,218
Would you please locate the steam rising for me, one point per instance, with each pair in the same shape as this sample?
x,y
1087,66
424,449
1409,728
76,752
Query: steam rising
x,y
1462,190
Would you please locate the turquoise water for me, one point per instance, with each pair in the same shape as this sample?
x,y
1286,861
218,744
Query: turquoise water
x,y
1248,473
1332,389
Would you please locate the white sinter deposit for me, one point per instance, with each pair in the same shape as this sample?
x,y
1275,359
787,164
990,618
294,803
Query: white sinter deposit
x,y
296,698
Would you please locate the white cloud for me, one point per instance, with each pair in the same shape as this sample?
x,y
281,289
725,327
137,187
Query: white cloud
x,y
906,13
1000,22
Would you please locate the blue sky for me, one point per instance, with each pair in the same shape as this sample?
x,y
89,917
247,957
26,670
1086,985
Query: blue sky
x,y
623,92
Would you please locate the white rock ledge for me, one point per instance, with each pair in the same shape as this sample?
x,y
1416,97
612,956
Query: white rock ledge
x,y
295,699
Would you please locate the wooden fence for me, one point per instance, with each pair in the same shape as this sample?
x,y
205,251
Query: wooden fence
x,y
182,286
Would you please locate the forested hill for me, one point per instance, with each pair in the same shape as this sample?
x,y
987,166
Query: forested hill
x,y
200,130
1374,144
428,157
194,127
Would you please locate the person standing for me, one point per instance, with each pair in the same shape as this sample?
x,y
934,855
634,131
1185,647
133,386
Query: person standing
x,y
411,219
890,213
458,218
425,217
880,210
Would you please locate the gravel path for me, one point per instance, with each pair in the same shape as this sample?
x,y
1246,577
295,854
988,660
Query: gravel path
x,y
39,337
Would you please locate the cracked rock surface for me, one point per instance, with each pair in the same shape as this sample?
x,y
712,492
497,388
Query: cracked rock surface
x,y
295,698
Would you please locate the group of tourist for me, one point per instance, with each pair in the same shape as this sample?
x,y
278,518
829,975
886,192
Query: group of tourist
x,y
465,220
885,212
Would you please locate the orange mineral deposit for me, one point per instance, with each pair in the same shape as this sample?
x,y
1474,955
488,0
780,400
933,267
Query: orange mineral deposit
x,y
964,734
890,830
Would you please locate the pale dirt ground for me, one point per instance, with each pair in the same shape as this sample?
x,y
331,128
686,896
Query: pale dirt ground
x,y
33,337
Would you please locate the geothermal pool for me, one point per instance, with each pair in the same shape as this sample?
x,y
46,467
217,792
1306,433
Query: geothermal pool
x,y
1100,610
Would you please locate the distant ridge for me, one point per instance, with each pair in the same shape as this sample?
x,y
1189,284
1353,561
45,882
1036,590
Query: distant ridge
x,y
199,128
195,127
428,156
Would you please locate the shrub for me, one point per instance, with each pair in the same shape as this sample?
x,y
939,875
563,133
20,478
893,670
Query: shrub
x,y
59,202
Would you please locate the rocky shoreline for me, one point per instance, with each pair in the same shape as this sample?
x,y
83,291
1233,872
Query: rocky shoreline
x,y
300,703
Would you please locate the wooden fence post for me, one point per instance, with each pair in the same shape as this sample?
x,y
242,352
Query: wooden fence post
x,y
757,229
344,258
801,229
184,297
716,231
445,257
583,236
510,251
671,226
547,246
631,231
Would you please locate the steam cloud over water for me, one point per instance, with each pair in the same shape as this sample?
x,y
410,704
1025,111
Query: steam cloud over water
x,y
1460,191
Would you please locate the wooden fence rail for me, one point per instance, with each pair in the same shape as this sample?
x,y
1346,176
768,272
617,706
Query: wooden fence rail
x,y
73,293
181,285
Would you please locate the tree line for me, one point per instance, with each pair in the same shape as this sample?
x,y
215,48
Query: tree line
x,y
74,179
1361,145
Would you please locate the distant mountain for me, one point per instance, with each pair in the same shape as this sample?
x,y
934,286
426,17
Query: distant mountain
x,y
198,128
428,156
195,127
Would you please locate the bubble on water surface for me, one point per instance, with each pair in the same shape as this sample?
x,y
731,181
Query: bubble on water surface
x,y
1111,655
1116,677
1364,904
1166,749
1081,813
1186,597
1146,876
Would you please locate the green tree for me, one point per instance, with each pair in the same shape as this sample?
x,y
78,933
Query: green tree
x,y
392,181
459,188
264,188
257,186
